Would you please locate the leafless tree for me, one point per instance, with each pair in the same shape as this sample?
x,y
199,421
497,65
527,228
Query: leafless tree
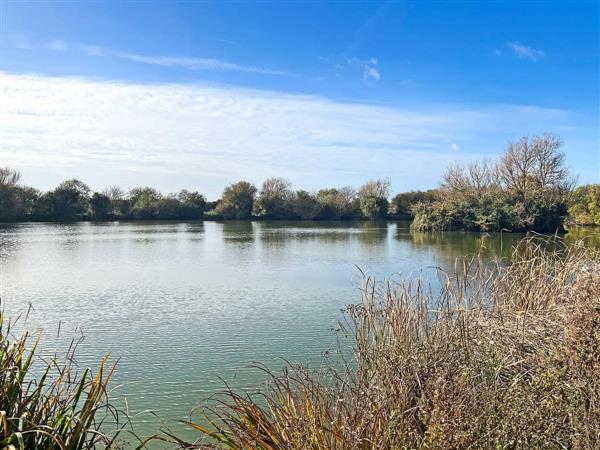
x,y
375,188
114,193
276,188
347,194
9,177
475,177
533,164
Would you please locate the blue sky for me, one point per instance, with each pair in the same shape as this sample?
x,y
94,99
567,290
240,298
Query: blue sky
x,y
201,94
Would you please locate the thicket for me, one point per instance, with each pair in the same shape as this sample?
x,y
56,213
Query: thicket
x,y
585,205
528,189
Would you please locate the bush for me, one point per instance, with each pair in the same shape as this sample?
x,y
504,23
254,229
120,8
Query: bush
x,y
584,207
237,201
527,190
402,204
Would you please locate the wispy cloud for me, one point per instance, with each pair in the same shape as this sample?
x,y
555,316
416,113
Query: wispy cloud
x,y
368,67
23,44
204,137
186,62
57,45
370,71
226,41
525,51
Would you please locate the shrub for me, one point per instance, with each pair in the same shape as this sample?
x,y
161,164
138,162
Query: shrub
x,y
584,207
237,201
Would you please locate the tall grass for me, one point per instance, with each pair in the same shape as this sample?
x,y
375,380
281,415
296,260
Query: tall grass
x,y
497,356
49,403
501,356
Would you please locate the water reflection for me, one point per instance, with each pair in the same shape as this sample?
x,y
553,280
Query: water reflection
x,y
589,235
194,301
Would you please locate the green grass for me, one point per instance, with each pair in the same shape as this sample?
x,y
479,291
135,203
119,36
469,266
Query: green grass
x,y
49,404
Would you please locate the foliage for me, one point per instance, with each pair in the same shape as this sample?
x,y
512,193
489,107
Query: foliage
x,y
237,201
527,190
100,206
584,207
373,198
306,206
69,201
275,199
503,356
373,207
192,204
337,203
402,204
46,404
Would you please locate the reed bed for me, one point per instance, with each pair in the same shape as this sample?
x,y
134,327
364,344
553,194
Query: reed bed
x,y
501,356
48,403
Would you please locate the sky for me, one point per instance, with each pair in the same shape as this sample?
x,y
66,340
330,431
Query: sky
x,y
201,94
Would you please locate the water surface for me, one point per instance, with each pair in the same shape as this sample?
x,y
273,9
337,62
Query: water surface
x,y
182,304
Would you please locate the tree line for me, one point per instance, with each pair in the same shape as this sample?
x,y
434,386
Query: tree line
x,y
74,200
528,188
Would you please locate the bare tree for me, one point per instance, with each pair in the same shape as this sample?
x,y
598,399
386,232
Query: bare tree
x,y
347,194
533,164
475,177
276,188
375,188
9,177
455,178
114,193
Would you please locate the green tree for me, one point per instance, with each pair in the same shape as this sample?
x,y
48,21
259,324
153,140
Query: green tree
x,y
143,201
305,205
16,201
584,205
100,206
69,201
402,204
192,204
120,206
526,190
237,201
275,199
373,198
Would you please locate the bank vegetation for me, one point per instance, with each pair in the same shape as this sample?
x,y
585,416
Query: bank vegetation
x,y
527,189
503,355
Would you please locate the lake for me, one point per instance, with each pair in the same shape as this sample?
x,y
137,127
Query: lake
x,y
181,305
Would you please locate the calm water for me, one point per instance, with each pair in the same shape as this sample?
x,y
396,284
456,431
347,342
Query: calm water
x,y
182,304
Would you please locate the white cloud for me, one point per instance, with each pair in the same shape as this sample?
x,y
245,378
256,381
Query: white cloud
x,y
454,146
370,71
204,137
57,45
525,51
186,62
23,44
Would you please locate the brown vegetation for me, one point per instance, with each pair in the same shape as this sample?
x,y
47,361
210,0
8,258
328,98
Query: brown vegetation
x,y
503,356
